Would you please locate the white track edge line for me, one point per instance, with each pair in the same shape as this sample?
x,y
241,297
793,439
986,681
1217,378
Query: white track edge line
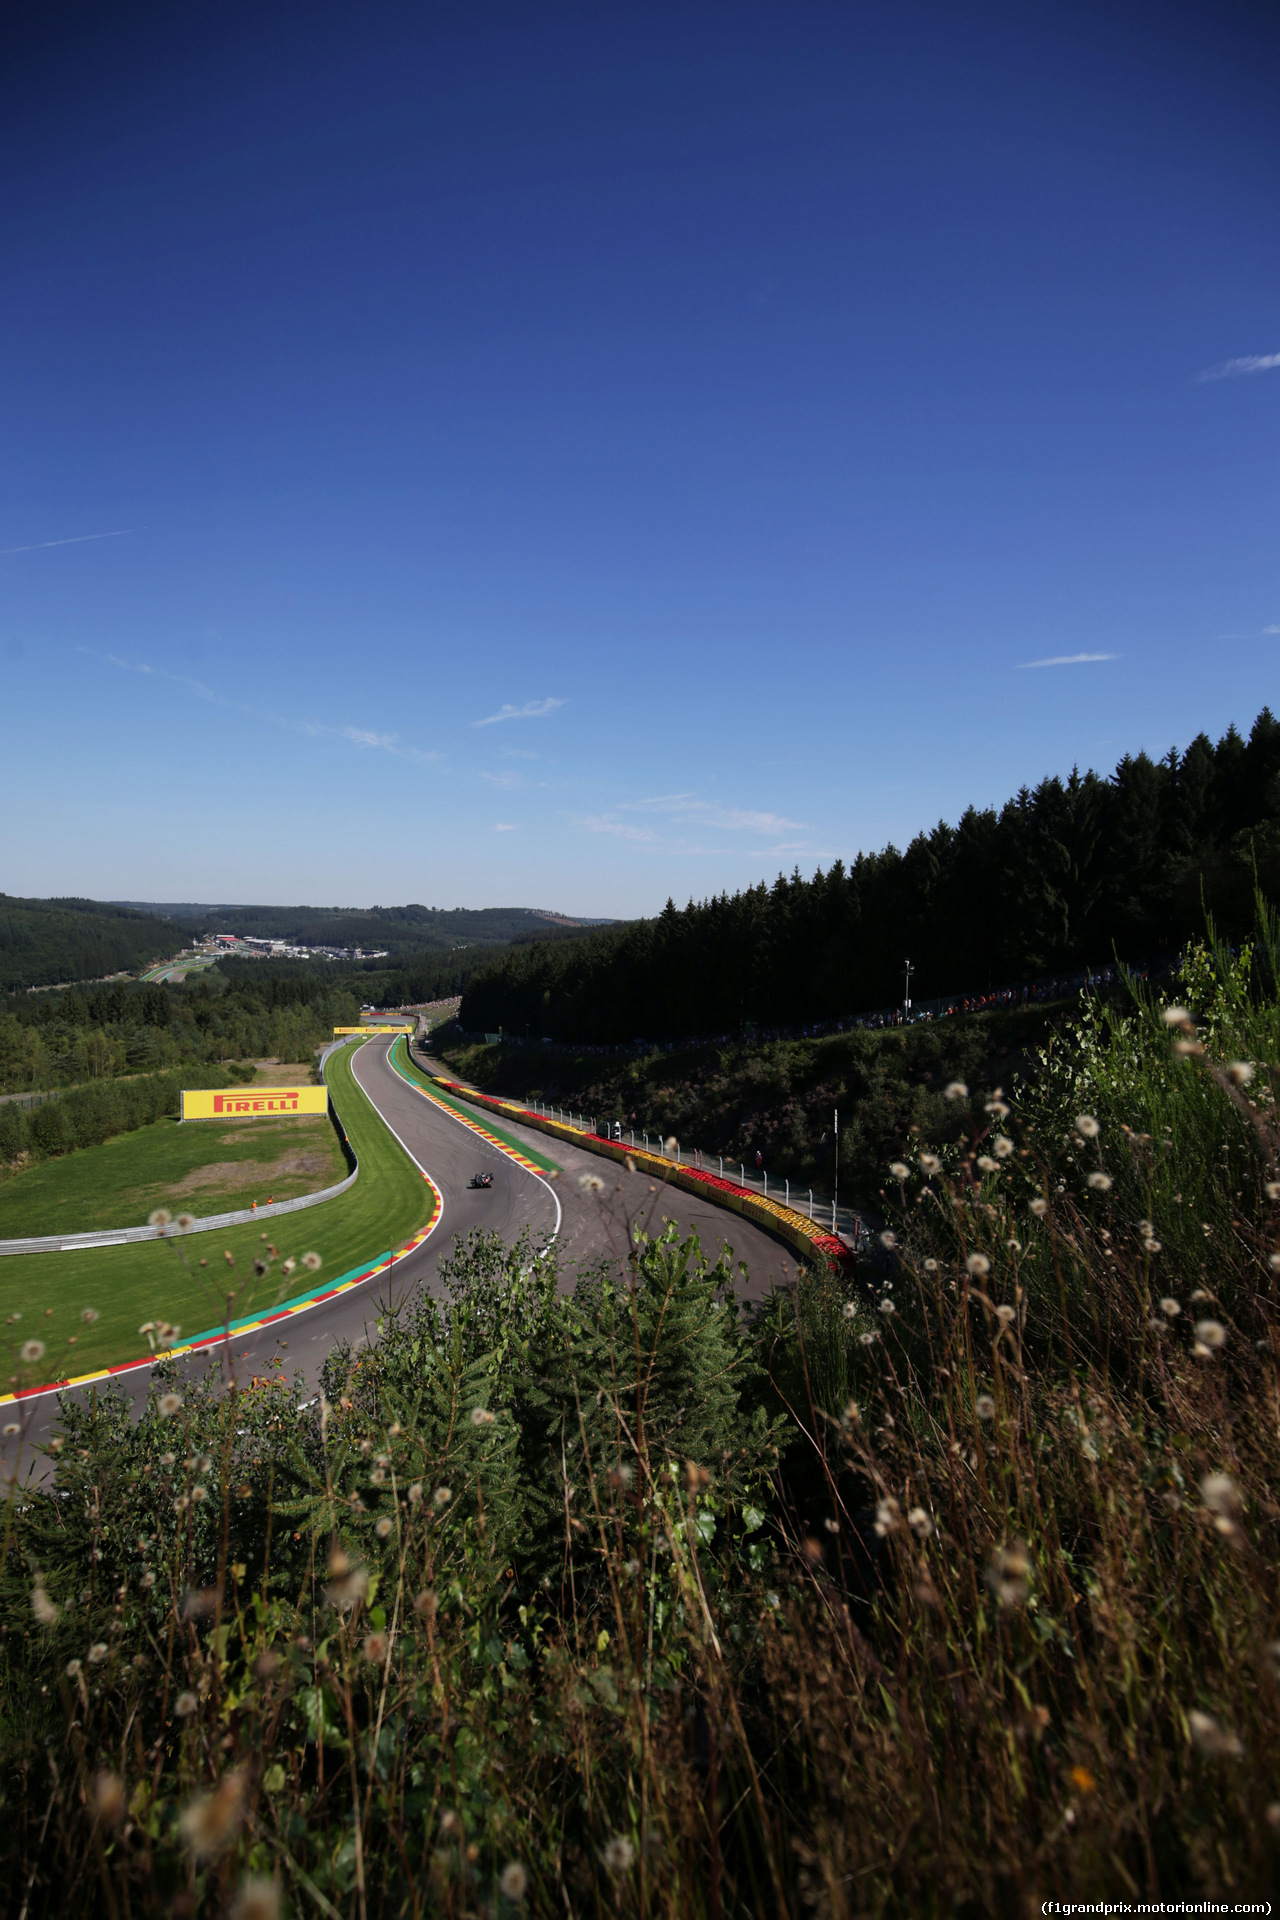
x,y
441,1105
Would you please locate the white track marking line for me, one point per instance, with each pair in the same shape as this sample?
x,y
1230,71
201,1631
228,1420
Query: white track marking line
x,y
442,1107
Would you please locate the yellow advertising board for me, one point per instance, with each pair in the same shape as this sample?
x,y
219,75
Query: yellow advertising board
x,y
253,1103
403,1029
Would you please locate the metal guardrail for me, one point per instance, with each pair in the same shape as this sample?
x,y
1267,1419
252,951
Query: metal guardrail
x,y
844,1221
208,1223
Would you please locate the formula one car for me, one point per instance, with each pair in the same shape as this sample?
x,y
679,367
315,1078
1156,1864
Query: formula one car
x,y
480,1180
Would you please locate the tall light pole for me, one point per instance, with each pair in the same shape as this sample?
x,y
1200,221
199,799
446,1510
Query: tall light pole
x,y
906,991
836,1202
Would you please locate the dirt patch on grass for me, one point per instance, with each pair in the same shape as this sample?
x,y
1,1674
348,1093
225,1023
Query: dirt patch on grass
x,y
234,1173
282,1073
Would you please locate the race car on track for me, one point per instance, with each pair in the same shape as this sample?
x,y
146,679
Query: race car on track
x,y
481,1180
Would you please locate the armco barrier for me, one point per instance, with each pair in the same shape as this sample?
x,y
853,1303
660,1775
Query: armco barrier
x,y
793,1227
206,1223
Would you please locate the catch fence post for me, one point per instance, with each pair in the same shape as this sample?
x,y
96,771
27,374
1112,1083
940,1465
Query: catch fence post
x,y
766,1184
833,1216
811,1203
722,1166
742,1174
788,1193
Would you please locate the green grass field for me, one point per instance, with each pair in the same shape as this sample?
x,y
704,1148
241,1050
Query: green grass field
x,y
201,1168
48,1292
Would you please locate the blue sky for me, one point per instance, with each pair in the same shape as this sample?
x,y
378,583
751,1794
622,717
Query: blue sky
x,y
569,455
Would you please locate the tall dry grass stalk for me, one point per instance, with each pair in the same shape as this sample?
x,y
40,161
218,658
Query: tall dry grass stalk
x,y
949,1592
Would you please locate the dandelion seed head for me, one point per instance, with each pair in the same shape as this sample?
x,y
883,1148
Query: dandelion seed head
x,y
211,1819
985,1407
1087,1127
1272,1189
1153,1245
513,1881
1176,1017
32,1350
888,1239
987,1164
481,1417
160,1218
168,1404
1241,1071
899,1170
1211,1334
10,1428
312,1262
618,1854
441,1497
850,1313
1273,1261
956,1090
886,1305
415,1493
109,1798
383,1528
931,1265
89,1315
888,1514
43,1607
1038,1206
978,1265
868,1339
426,1604
1100,1182
930,1163
1220,1494
920,1523
1009,1574
1006,1314
1212,1739
375,1648
186,1221
591,1183
98,1653
257,1899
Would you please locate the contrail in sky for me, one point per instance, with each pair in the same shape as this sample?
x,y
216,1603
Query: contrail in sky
x,y
37,546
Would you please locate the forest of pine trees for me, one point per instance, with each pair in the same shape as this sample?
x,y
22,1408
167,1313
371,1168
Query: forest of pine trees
x,y
1072,873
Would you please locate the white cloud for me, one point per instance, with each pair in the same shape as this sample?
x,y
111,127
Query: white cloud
x,y
75,540
1247,363
605,823
506,826
1066,660
507,779
313,729
362,738
531,710
711,813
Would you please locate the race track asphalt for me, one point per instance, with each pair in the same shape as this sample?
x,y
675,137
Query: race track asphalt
x,y
585,1227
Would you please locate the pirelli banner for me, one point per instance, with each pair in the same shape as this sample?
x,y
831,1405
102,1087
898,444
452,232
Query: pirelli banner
x,y
254,1103
408,1028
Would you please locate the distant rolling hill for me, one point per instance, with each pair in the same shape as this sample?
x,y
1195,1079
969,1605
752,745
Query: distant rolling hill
x,y
44,942
394,930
